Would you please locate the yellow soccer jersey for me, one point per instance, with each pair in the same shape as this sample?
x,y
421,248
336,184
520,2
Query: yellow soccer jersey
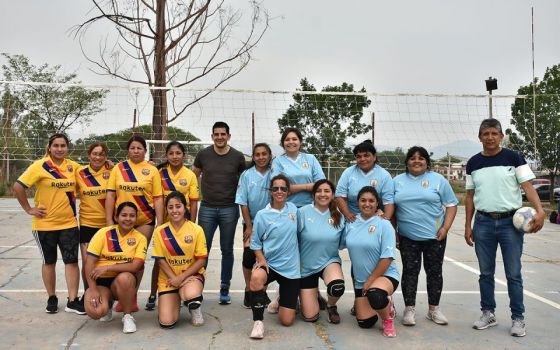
x,y
92,188
137,183
110,247
184,181
179,249
55,191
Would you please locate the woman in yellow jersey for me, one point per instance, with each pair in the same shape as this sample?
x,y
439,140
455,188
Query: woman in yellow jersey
x,y
180,251
175,176
91,181
116,254
54,218
137,181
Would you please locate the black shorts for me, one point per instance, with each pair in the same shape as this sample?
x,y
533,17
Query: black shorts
x,y
289,289
105,281
359,292
312,281
249,258
67,241
86,233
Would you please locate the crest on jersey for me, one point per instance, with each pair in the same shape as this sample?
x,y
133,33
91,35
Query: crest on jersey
x,y
131,241
292,216
371,229
305,165
183,182
188,239
145,172
331,221
373,183
425,183
106,176
70,168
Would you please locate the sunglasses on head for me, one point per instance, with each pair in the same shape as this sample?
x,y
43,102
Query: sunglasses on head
x,y
279,188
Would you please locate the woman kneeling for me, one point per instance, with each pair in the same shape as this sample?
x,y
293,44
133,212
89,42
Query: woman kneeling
x,y
180,251
116,254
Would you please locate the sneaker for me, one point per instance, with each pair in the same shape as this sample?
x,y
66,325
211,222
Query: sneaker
x,y
272,308
108,316
75,306
333,315
408,316
322,302
129,324
52,305
353,311
247,299
151,303
118,307
258,330
517,328
487,319
224,294
437,316
196,317
389,328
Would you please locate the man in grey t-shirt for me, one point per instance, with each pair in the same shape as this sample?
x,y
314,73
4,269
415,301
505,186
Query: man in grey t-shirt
x,y
219,167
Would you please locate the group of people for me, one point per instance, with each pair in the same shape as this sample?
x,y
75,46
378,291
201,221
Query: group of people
x,y
295,222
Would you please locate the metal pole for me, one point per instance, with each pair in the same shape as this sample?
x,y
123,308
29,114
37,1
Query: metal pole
x,y
252,129
373,127
490,103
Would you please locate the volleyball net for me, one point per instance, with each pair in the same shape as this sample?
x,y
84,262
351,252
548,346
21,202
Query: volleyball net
x,y
446,125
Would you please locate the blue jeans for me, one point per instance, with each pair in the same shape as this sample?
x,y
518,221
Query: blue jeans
x,y
225,218
488,233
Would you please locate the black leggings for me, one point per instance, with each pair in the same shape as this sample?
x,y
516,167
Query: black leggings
x,y
411,254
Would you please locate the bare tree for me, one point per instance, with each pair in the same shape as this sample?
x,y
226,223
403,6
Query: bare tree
x,y
174,43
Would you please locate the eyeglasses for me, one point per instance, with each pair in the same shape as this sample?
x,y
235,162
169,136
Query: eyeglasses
x,y
279,188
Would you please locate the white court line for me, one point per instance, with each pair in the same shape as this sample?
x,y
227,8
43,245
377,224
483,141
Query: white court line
x,y
238,291
499,281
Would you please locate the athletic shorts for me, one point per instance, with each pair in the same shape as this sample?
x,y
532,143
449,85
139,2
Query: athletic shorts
x,y
249,258
67,241
312,281
197,275
289,289
359,292
105,281
86,233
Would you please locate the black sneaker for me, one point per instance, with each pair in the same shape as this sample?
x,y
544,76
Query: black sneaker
x,y
322,302
52,305
151,304
75,306
247,299
334,317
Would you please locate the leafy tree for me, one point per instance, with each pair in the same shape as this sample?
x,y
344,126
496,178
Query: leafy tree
x,y
392,161
536,132
177,43
116,142
327,121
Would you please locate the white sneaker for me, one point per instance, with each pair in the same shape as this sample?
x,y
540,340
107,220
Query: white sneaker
x,y
196,317
129,324
408,316
258,330
437,316
272,308
108,316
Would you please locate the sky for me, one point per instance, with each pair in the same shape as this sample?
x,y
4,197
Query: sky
x,y
388,47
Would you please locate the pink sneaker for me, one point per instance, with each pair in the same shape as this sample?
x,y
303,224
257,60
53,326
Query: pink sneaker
x,y
389,328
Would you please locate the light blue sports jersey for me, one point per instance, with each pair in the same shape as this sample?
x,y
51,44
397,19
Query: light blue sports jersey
x,y
353,179
318,239
369,241
421,202
305,169
253,191
275,233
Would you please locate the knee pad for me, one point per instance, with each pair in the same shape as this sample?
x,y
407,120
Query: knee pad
x,y
378,298
258,299
193,303
368,322
335,288
311,319
167,326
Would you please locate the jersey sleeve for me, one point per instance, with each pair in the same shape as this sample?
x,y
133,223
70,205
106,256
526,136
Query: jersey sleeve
x,y
157,188
446,194
194,193
95,246
112,183
388,190
241,194
30,176
388,241
258,231
276,167
200,250
157,249
141,248
342,186
317,171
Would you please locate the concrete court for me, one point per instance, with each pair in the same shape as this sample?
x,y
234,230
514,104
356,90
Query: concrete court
x,y
25,325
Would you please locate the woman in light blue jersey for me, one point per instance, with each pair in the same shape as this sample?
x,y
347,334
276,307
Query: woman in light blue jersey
x,y
371,245
253,195
366,172
425,209
275,243
320,227
302,169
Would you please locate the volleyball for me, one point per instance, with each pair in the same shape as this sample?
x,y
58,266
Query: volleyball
x,y
523,219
